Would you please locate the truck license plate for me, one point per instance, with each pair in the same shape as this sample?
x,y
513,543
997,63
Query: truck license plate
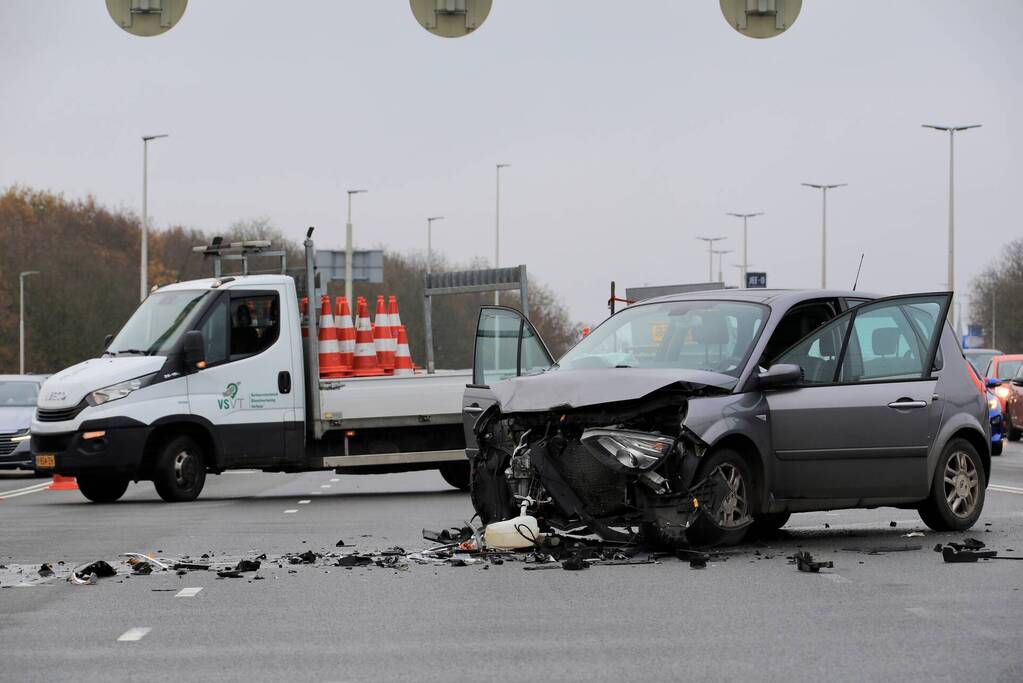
x,y
46,461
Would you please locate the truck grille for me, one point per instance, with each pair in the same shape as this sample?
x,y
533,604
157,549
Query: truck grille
x,y
59,414
6,445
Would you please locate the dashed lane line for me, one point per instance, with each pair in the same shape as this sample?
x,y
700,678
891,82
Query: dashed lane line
x,y
304,502
291,511
1002,488
133,634
324,486
335,480
836,578
188,592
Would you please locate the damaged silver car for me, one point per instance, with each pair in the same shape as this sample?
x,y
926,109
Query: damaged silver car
x,y
701,418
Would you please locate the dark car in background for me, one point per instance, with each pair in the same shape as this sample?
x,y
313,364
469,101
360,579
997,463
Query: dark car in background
x,y
699,417
18,396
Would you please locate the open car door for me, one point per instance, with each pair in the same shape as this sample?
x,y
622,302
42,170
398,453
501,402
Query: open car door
x,y
507,345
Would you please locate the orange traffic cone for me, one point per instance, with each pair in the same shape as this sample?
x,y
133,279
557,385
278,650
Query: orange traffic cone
x,y
330,353
63,484
402,358
365,364
345,332
383,339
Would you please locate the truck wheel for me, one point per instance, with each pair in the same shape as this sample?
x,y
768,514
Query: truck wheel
x,y
456,473
957,490
732,513
180,470
488,488
102,488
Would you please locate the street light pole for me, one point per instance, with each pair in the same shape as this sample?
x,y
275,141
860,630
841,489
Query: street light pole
x,y
497,230
824,226
21,320
348,248
710,255
721,257
951,130
144,259
745,233
429,240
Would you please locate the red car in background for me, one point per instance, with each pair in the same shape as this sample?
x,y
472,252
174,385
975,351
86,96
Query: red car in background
x,y
1005,368
1014,406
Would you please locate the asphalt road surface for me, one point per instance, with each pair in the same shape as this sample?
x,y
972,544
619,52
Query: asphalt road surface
x,y
905,616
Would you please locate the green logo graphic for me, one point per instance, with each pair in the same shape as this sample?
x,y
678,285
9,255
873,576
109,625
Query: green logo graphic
x,y
229,402
232,390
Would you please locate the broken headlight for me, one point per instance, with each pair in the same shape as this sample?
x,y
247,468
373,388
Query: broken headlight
x,y
624,450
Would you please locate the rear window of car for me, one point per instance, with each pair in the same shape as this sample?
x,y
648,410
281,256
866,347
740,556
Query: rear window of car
x,y
1007,369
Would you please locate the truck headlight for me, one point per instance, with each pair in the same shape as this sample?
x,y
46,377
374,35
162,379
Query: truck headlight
x,y
625,450
119,390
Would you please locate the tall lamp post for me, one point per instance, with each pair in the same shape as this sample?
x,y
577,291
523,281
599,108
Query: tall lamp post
x,y
429,240
497,229
824,226
144,281
21,320
348,248
710,255
951,130
745,233
721,255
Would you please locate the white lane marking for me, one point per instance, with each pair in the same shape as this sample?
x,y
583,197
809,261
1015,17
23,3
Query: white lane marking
x,y
1002,488
324,486
290,512
836,578
24,490
133,634
919,611
242,472
315,493
188,592
304,502
335,479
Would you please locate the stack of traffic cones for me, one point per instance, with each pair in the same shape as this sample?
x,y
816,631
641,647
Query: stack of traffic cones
x,y
365,362
345,332
383,339
402,358
330,352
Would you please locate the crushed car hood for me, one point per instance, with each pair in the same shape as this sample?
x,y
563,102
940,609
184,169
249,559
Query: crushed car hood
x,y
577,388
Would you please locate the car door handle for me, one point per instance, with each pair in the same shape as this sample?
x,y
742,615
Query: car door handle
x,y
473,409
903,404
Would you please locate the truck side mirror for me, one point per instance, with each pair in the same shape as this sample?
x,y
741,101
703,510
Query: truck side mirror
x,y
106,341
779,375
195,351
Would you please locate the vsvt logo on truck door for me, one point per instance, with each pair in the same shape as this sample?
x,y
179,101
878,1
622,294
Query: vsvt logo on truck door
x,y
229,402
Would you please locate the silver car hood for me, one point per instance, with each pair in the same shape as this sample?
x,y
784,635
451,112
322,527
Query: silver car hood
x,y
577,388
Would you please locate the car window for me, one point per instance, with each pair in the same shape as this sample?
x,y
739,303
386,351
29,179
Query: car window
x,y
1008,368
255,323
798,322
817,355
890,342
215,333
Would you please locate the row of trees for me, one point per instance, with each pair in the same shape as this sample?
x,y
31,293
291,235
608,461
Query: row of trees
x,y
997,300
88,258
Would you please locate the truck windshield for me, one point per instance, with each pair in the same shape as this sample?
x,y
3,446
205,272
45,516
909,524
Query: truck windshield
x,y
158,323
692,335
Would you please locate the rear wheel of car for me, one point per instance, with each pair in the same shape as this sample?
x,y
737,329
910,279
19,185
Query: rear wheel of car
x,y
180,470
731,514
957,490
456,473
102,488
488,488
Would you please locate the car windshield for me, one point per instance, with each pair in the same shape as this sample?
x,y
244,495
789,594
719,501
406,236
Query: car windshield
x,y
18,393
692,335
158,323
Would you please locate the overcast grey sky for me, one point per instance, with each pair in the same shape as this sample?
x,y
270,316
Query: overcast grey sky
x,y
630,131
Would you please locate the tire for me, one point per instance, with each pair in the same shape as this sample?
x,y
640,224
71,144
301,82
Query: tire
x,y
962,466
180,470
767,525
488,488
102,488
457,474
1011,432
731,509
996,448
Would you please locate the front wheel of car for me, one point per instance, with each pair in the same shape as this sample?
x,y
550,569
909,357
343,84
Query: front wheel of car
x,y
456,473
102,488
729,519
957,490
180,470
1011,432
996,448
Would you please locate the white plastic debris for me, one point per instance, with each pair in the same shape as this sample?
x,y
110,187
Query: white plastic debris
x,y
512,534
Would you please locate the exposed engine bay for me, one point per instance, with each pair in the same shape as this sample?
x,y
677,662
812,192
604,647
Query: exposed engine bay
x,y
615,469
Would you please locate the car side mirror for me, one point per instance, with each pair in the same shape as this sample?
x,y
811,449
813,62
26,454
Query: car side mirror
x,y
195,351
106,341
992,382
779,375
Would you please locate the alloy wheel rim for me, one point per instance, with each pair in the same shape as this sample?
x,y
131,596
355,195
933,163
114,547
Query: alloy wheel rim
x,y
961,484
733,510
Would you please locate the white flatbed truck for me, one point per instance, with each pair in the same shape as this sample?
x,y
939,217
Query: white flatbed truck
x,y
214,374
